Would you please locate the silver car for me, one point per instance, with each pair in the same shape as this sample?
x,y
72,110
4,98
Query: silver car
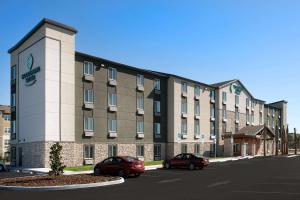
x,y
2,166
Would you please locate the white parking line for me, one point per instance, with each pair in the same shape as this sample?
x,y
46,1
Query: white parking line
x,y
262,192
218,184
291,156
169,180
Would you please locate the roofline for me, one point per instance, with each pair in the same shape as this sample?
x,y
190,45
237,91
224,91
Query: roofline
x,y
282,101
39,25
121,64
225,84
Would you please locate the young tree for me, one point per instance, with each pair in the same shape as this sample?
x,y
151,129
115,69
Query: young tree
x,y
57,167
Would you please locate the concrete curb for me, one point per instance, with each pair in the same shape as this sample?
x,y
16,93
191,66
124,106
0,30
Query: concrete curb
x,y
63,187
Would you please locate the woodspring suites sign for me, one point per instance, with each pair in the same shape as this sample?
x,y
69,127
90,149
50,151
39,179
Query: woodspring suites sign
x,y
30,76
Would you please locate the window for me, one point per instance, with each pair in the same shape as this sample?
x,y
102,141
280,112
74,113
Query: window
x,y
236,148
140,127
112,99
89,96
247,102
260,118
13,73
197,127
157,106
184,126
224,112
112,125
273,112
224,96
112,73
7,130
183,148
88,151
183,105
157,128
260,107
140,80
237,117
268,121
157,84
247,116
212,128
183,87
237,99
212,94
197,107
212,111
197,149
140,150
88,124
252,117
224,127
252,104
6,142
197,90
140,102
157,152
7,117
236,128
13,99
13,130
88,68
112,150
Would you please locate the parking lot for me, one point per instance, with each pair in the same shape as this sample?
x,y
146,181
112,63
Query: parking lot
x,y
259,178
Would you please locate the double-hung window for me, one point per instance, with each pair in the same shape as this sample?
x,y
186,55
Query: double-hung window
x,y
183,105
252,117
89,96
224,112
157,128
157,107
140,102
183,87
212,94
237,114
224,97
88,151
13,73
247,116
157,84
13,99
140,127
7,117
140,151
197,90
197,127
112,73
237,99
88,68
157,152
184,126
7,130
212,111
140,80
183,148
112,125
112,99
88,124
197,107
212,128
112,150
197,149
247,102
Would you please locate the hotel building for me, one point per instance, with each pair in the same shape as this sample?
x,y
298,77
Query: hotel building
x,y
98,108
4,131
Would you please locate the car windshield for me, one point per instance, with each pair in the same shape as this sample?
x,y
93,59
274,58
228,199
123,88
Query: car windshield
x,y
130,159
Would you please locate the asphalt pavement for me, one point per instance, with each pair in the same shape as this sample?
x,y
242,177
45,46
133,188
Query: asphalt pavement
x,y
259,178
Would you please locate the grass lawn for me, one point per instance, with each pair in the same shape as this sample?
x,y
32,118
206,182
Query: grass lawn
x,y
91,167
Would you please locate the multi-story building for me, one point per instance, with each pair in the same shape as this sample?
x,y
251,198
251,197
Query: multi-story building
x,y
4,131
98,108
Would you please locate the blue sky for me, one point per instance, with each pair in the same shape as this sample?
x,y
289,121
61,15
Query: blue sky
x,y
255,41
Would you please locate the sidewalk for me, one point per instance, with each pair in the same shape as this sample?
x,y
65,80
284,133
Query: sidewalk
x,y
151,167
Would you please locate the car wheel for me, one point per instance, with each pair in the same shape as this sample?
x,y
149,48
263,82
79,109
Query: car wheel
x,y
97,172
122,174
191,166
167,165
1,168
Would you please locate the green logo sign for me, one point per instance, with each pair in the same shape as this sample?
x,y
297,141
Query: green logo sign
x,y
30,75
236,88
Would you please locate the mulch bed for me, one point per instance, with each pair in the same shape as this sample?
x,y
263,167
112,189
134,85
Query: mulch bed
x,y
53,181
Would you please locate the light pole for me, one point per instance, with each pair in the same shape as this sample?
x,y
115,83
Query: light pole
x,y
295,140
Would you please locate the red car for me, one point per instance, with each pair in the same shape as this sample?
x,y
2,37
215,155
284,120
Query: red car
x,y
120,165
186,160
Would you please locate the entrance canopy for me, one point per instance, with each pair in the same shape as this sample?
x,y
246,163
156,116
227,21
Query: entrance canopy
x,y
258,132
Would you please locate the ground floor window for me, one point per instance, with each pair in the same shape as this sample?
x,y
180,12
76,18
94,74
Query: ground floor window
x,y
197,149
140,150
157,152
88,151
236,148
112,150
183,148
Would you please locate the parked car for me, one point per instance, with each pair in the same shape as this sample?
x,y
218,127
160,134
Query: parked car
x,y
120,165
3,167
186,160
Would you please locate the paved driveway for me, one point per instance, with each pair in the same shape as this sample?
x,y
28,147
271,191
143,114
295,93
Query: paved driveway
x,y
262,178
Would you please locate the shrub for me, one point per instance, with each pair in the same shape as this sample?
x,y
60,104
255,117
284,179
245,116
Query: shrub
x,y
57,167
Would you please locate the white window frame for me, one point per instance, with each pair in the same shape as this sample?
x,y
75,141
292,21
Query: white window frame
x,y
89,96
7,117
157,129
13,99
224,112
140,102
13,73
157,84
157,152
88,68
212,94
112,73
90,151
197,127
184,105
184,87
184,126
197,90
88,124
112,99
112,150
197,107
140,127
197,149
140,80
157,106
140,150
112,125
224,96
237,99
